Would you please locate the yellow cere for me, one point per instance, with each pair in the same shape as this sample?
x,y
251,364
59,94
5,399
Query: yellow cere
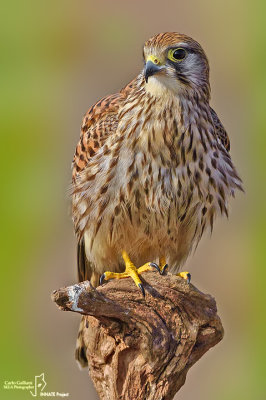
x,y
154,60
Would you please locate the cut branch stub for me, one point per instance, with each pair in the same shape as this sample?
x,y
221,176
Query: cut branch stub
x,y
142,348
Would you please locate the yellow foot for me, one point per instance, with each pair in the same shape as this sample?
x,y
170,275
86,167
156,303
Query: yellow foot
x,y
162,265
185,275
130,271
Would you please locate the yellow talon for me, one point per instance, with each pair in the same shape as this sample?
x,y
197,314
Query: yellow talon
x,y
145,267
130,271
185,275
162,264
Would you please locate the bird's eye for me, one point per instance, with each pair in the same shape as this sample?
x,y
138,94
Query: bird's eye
x,y
177,54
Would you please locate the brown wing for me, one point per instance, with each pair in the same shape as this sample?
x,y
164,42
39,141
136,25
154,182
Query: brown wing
x,y
220,131
84,270
99,122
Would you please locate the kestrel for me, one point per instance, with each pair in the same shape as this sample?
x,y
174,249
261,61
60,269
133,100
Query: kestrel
x,y
152,168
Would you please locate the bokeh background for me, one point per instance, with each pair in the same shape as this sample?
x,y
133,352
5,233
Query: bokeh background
x,y
57,58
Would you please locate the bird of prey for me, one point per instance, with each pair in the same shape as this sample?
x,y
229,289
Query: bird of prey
x,y
152,168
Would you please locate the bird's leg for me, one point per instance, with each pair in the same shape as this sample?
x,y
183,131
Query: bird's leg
x,y
130,271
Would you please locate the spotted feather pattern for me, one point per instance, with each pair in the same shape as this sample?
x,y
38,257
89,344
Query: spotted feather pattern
x,y
98,124
220,131
152,169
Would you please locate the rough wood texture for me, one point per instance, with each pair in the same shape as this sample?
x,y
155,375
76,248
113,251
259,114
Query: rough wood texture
x,y
142,348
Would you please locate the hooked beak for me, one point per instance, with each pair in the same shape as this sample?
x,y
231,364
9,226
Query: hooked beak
x,y
150,69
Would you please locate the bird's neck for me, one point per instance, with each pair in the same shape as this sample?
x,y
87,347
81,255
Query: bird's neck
x,y
165,88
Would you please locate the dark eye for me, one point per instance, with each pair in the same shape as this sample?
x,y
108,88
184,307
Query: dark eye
x,y
177,54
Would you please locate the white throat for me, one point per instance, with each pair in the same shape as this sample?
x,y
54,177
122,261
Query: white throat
x,y
162,86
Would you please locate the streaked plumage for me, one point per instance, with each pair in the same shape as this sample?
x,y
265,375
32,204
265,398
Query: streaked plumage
x,y
152,168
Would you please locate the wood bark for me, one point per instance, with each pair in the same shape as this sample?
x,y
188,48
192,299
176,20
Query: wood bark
x,y
142,348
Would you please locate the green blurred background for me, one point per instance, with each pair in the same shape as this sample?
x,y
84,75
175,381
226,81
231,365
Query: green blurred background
x,y
58,58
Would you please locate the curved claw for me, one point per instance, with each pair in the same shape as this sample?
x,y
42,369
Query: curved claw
x,y
142,289
156,266
102,278
188,278
164,269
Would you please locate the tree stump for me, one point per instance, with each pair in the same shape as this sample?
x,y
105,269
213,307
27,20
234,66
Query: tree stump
x,y
142,348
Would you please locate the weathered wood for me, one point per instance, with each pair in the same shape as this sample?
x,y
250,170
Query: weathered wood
x,y
142,348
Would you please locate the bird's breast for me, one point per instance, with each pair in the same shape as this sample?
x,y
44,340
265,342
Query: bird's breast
x,y
161,165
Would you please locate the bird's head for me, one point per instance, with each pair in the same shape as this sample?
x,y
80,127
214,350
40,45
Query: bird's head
x,y
175,61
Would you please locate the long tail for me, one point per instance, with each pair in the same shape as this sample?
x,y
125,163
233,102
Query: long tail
x,y
80,352
85,272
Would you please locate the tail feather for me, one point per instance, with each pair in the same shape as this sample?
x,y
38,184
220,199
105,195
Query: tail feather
x,y
85,272
80,352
